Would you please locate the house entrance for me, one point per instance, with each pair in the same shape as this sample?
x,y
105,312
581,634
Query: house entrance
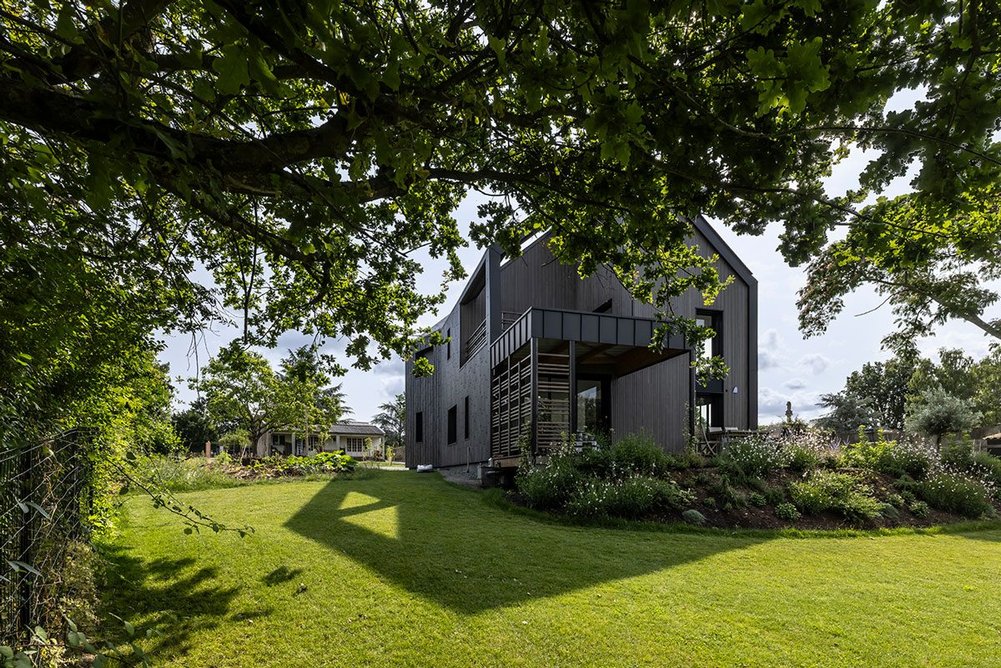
x,y
594,399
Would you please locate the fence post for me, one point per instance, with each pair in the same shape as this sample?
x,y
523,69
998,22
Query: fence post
x,y
26,472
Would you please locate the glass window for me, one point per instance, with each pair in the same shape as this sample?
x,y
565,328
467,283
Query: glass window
x,y
465,418
714,345
451,425
589,406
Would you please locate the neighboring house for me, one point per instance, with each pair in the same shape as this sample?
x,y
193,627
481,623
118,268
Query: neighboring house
x,y
347,436
535,352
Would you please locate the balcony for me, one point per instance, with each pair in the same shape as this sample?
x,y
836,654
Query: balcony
x,y
478,338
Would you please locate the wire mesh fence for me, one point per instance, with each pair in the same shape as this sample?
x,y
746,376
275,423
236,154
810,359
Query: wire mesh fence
x,y
45,500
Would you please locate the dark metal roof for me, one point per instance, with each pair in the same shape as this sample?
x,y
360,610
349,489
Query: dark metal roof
x,y
723,249
356,428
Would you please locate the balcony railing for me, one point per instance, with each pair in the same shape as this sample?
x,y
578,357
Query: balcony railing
x,y
478,338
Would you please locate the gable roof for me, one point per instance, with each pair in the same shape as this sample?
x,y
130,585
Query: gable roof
x,y
723,249
356,429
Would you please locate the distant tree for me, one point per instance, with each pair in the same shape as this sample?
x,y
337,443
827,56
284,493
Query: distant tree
x,y
986,400
193,426
392,418
875,395
241,388
939,413
954,372
960,375
310,404
235,442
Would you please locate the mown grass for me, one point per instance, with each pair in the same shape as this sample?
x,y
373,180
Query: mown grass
x,y
403,569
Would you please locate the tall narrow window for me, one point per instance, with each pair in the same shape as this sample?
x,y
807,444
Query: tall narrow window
x,y
448,344
451,425
419,428
714,321
465,418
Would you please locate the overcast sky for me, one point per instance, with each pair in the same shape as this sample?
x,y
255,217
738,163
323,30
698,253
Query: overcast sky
x,y
790,368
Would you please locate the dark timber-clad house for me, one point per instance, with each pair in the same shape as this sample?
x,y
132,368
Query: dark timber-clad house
x,y
535,352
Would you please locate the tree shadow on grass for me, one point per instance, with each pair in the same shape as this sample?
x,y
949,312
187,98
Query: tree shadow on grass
x,y
446,545
170,597
281,575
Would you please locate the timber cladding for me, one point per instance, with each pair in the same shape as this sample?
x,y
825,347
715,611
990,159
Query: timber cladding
x,y
513,363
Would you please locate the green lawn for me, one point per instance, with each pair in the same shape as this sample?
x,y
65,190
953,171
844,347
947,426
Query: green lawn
x,y
405,569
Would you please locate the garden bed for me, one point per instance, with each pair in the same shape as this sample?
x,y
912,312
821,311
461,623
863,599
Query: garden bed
x,y
800,482
750,516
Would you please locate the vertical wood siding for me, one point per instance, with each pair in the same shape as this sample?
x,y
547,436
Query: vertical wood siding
x,y
651,400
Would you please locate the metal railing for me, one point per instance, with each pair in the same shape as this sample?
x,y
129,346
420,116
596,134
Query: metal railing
x,y
478,338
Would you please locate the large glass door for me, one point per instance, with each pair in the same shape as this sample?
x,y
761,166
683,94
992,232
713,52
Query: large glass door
x,y
593,405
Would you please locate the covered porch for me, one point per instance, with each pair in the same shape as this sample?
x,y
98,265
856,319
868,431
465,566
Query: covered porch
x,y
551,374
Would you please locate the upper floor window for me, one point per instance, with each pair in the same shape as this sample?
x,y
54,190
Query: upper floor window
x,y
712,346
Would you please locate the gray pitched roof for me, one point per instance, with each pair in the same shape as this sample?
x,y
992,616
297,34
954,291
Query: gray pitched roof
x,y
356,429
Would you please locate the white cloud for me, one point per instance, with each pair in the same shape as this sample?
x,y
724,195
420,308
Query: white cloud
x,y
772,405
768,359
815,362
795,384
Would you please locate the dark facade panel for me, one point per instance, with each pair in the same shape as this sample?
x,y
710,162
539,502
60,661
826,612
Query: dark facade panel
x,y
607,329
652,399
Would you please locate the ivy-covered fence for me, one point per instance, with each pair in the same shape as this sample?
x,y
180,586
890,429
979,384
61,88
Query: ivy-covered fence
x,y
45,502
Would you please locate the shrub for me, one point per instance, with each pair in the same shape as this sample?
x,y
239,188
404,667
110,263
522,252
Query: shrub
x,y
691,460
807,448
638,454
709,502
725,493
549,487
988,467
757,499
774,494
957,452
919,509
839,492
631,498
909,458
889,511
896,458
693,516
801,458
956,493
595,462
787,511
751,458
896,499
906,485
321,462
